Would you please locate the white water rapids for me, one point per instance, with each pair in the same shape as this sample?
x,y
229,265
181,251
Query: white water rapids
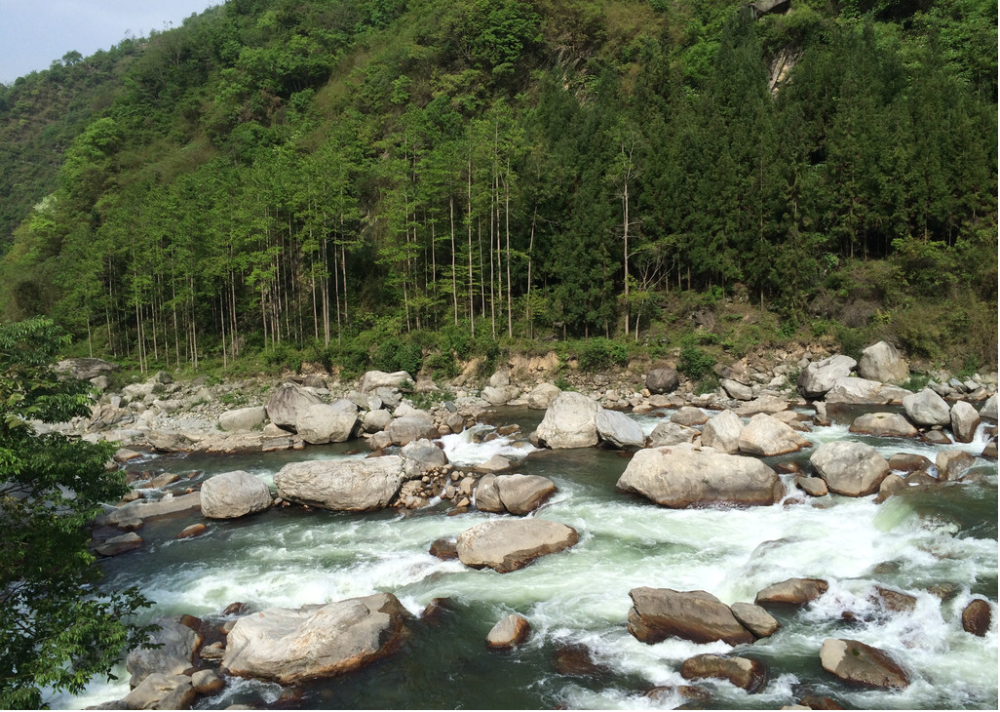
x,y
580,596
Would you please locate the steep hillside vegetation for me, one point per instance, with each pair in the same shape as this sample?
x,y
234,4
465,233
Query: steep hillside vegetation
x,y
277,174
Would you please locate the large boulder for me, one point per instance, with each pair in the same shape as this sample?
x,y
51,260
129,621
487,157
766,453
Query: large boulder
x,y
755,619
424,454
765,436
500,395
989,410
964,421
506,545
292,645
861,664
850,468
170,441
376,420
722,432
380,379
698,616
882,362
745,673
884,425
619,430
667,434
354,485
861,391
162,692
153,509
287,402
682,476
542,395
819,376
662,380
175,654
688,416
927,408
243,418
233,494
737,390
952,464
517,494
320,423
417,426
792,592
83,369
570,422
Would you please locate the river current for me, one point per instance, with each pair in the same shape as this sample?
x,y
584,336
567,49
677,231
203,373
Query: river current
x,y
939,546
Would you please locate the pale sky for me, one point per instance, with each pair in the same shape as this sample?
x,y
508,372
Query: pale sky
x,y
35,32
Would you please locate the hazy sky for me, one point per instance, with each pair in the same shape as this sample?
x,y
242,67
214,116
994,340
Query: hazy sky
x,y
34,32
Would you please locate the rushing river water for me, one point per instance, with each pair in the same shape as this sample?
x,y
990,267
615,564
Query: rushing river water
x,y
944,540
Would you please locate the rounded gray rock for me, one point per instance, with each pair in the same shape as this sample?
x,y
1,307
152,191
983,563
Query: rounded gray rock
x,y
233,494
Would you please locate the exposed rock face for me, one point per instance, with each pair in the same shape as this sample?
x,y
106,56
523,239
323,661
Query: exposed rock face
x,y
722,432
508,633
542,395
290,645
882,362
976,618
162,692
119,544
852,469
356,485
792,592
755,619
178,644
83,369
206,682
320,424
765,436
242,418
662,380
745,673
506,545
380,379
667,434
682,476
619,430
517,494
287,402
908,462
861,664
569,422
405,430
233,494
689,415
990,408
170,442
698,616
861,391
737,390
964,421
500,395
927,408
819,377
891,485
884,425
952,464
376,420
146,509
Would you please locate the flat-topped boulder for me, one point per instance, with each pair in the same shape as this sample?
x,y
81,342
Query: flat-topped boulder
x,y
755,619
506,545
570,422
684,476
516,494
291,645
243,418
417,425
884,425
619,430
287,402
374,380
819,376
233,494
320,423
851,390
850,468
792,592
746,673
667,434
722,432
861,664
882,362
175,654
765,436
353,485
698,616
144,509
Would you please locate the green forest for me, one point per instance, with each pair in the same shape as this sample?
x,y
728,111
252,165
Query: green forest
x,y
400,183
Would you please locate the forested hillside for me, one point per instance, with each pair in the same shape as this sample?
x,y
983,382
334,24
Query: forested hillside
x,y
326,174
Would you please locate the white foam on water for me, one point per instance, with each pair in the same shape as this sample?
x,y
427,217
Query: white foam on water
x,y
462,450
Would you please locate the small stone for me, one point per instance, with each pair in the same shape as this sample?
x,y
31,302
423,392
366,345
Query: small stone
x,y
813,486
508,633
192,531
977,617
444,549
794,592
206,682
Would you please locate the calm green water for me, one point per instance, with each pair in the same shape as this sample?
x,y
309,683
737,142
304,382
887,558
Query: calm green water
x,y
289,557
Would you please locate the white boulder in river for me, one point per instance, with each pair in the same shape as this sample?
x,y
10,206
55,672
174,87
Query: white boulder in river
x,y
287,402
290,645
570,422
766,436
820,376
927,408
242,418
506,545
852,469
683,475
320,423
619,430
354,485
233,494
882,362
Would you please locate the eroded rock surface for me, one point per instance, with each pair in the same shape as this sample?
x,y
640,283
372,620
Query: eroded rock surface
x,y
506,545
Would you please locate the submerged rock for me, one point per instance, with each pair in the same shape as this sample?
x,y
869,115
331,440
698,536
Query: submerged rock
x,y
233,494
290,645
355,485
698,616
861,664
506,545
682,476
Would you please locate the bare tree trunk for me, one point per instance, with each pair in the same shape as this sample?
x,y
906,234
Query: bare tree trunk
x,y
454,275
510,308
527,299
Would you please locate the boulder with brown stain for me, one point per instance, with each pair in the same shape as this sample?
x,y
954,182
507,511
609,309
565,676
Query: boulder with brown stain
x,y
746,673
861,664
698,616
792,592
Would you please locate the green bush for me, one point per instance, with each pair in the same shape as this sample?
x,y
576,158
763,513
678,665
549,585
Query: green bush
x,y
441,364
595,355
397,355
695,363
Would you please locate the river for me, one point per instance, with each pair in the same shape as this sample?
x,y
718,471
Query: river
x,y
944,540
